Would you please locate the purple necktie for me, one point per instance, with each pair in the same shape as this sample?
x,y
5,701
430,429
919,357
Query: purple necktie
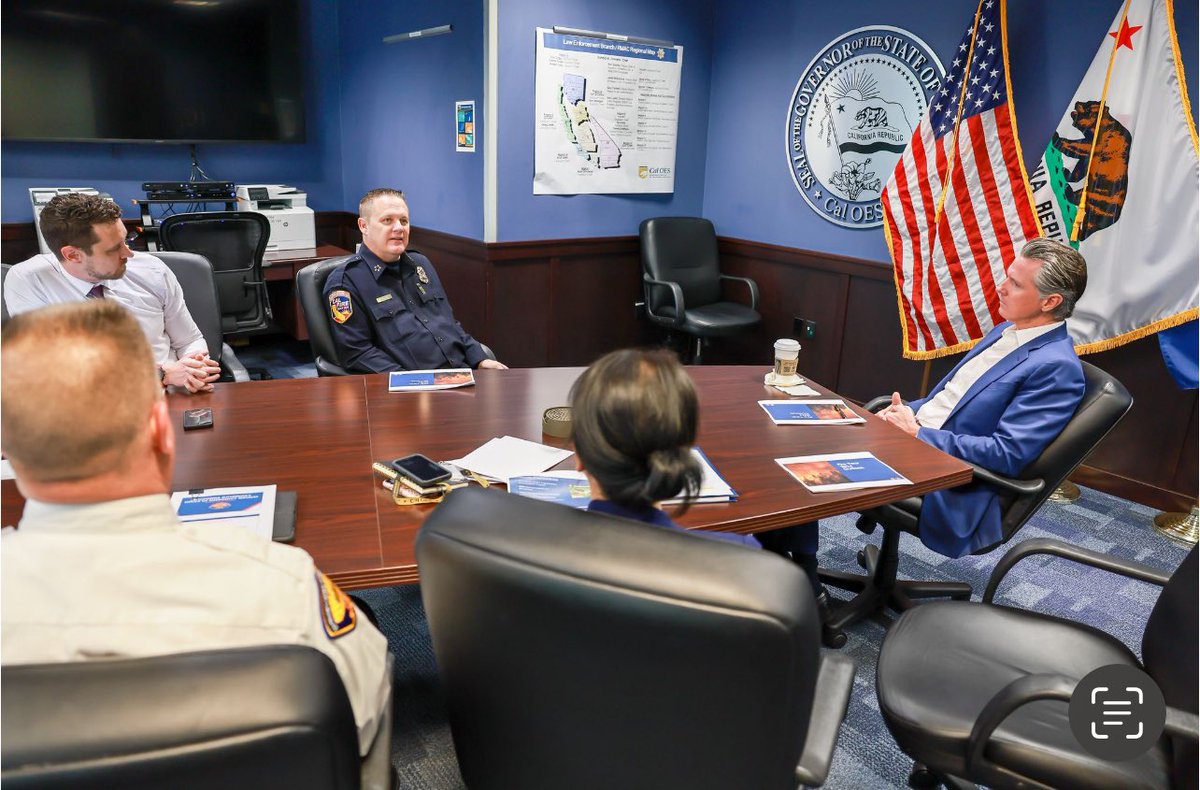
x,y
97,292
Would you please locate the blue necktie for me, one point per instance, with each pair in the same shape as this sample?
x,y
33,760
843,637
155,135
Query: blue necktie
x,y
97,292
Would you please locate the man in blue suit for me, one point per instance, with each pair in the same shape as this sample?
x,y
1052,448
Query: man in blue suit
x,y
999,408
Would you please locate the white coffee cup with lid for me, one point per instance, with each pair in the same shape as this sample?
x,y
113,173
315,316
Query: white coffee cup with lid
x,y
787,352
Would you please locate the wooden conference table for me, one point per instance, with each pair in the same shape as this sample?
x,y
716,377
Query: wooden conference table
x,y
319,437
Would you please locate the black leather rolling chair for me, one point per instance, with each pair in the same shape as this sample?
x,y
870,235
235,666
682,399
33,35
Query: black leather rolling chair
x,y
682,278
234,243
195,276
979,692
1105,402
584,651
310,285
272,716
3,307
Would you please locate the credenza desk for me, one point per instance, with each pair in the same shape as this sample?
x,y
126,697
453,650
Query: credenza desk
x,y
319,437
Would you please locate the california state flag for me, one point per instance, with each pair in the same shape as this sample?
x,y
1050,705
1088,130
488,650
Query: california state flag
x,y
1119,181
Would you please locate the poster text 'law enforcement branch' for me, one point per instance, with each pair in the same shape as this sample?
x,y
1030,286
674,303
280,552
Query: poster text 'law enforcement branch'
x,y
607,115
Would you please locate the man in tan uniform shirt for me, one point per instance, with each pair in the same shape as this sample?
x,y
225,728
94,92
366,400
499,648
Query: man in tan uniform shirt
x,y
100,566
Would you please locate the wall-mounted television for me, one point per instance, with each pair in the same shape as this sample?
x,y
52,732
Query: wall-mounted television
x,y
152,70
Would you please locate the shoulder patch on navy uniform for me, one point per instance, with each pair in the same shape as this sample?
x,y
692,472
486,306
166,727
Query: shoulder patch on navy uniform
x,y
337,609
340,306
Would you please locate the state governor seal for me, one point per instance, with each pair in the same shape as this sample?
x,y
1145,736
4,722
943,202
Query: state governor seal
x,y
854,108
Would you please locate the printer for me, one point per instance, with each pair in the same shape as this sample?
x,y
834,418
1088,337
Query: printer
x,y
292,223
40,196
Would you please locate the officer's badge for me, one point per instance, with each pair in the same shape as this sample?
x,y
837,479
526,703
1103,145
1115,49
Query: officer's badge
x,y
421,275
340,306
337,609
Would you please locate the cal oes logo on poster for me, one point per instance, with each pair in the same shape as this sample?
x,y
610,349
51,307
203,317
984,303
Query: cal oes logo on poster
x,y
854,108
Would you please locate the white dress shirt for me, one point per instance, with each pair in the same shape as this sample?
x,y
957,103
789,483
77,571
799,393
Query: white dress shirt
x,y
936,410
126,579
148,290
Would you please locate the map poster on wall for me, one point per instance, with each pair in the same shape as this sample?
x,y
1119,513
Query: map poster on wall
x,y
607,115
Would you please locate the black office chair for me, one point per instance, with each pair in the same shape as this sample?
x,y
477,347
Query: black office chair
x,y
272,716
1105,402
3,307
310,286
682,281
978,691
234,243
584,651
195,275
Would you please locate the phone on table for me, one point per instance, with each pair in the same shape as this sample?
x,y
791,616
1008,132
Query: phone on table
x,y
421,470
197,418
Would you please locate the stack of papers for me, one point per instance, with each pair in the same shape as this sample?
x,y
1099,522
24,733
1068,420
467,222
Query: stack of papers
x,y
252,507
841,472
508,456
572,489
422,380
796,412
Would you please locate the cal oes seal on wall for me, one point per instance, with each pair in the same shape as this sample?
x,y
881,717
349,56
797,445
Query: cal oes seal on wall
x,y
855,106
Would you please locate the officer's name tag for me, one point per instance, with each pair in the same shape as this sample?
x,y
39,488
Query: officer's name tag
x,y
383,298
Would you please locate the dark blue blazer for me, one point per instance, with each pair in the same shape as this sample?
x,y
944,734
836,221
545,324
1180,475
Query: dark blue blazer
x,y
1002,423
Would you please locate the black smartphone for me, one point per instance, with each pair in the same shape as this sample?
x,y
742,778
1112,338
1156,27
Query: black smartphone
x,y
421,470
197,418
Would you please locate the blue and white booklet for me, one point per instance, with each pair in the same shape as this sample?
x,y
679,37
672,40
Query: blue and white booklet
x,y
568,488
423,380
841,472
571,488
252,507
806,412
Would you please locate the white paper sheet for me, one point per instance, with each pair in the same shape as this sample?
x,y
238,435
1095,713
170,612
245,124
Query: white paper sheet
x,y
508,456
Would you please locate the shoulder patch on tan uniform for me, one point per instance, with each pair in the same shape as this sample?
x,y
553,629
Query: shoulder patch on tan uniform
x,y
337,608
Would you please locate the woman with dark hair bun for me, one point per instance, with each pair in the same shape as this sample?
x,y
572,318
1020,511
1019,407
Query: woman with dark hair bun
x,y
634,416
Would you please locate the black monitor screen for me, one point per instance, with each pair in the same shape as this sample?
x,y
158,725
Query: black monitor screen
x,y
151,70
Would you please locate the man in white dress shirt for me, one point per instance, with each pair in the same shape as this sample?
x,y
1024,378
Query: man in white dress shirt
x,y
100,566
91,260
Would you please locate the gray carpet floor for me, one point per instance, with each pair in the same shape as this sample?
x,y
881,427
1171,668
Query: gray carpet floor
x,y
867,756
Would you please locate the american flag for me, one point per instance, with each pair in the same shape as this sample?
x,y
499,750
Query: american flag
x,y
957,208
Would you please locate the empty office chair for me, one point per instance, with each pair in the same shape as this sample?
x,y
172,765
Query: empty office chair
x,y
310,285
979,692
272,716
682,281
1105,402
3,307
234,243
584,651
195,276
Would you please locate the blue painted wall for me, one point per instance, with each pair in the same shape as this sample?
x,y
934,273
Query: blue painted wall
x,y
397,108
120,168
523,215
382,114
760,50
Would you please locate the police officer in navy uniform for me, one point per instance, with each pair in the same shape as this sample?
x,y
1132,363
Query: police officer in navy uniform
x,y
388,306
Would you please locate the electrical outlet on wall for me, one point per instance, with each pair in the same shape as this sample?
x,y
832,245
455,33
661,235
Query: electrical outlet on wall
x,y
804,328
